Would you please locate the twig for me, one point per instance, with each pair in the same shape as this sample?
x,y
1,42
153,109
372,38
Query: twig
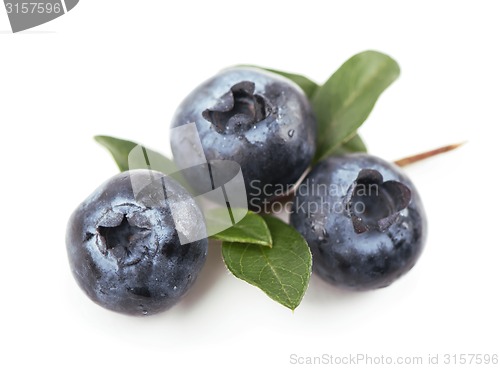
x,y
422,156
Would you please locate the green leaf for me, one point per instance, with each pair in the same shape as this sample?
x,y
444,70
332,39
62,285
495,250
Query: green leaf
x,y
307,85
282,271
353,145
344,102
251,230
130,155
141,157
118,148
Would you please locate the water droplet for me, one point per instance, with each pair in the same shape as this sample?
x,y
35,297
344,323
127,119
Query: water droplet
x,y
175,287
144,312
336,229
320,238
405,225
255,126
337,241
325,233
291,132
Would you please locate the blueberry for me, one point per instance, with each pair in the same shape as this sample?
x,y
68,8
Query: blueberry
x,y
259,119
363,220
127,245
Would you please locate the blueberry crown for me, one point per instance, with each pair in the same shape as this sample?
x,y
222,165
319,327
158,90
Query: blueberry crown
x,y
373,204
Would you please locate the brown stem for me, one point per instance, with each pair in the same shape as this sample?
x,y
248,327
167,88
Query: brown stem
x,y
401,162
286,197
425,155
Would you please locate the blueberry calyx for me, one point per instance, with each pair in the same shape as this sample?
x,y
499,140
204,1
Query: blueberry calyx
x,y
238,110
126,238
373,204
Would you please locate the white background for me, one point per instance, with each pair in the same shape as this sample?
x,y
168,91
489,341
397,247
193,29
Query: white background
x,y
121,68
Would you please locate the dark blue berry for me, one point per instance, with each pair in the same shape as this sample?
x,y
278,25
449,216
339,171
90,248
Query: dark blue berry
x,y
259,119
363,220
127,244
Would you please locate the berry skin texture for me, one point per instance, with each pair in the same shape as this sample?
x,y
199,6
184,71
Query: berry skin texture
x,y
259,119
123,247
363,220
